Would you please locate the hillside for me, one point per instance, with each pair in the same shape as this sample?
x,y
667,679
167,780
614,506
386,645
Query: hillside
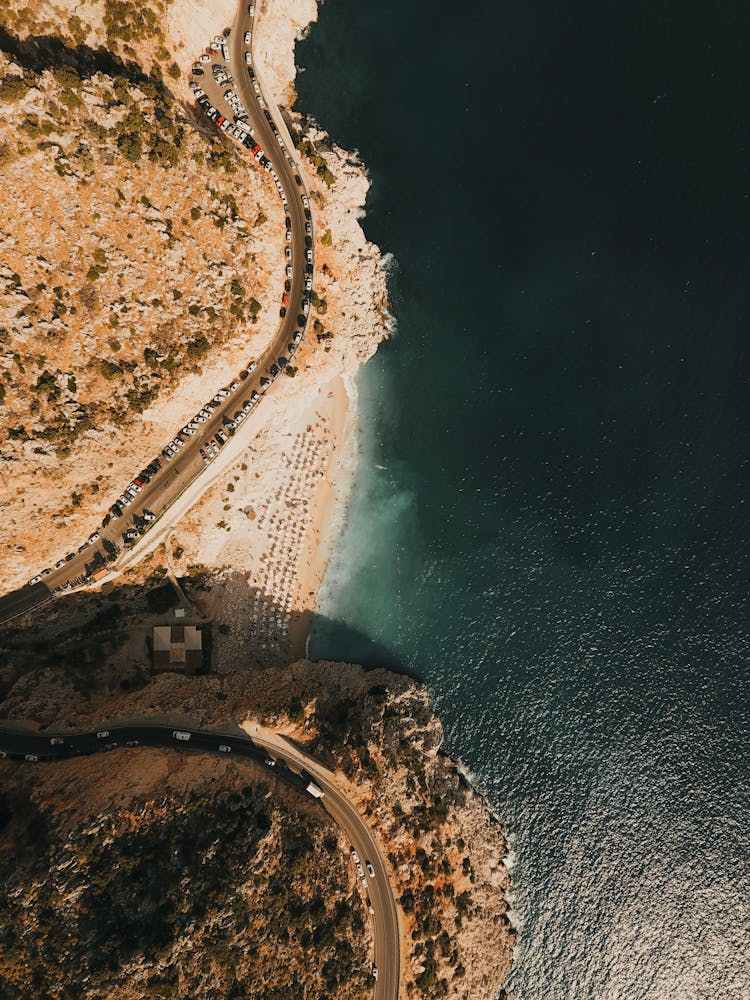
x,y
179,877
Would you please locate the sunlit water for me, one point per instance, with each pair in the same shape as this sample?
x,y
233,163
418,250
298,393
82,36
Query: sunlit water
x,y
549,518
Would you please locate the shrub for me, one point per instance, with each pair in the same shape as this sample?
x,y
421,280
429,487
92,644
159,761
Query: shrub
x,y
13,88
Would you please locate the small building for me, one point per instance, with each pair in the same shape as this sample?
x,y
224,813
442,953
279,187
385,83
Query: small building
x,y
178,647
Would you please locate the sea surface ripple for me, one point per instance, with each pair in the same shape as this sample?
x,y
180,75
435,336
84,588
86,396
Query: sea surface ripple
x,y
549,521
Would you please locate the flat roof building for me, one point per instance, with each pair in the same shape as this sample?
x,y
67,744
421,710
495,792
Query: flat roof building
x,y
178,647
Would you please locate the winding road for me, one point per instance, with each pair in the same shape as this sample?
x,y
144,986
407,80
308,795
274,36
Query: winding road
x,y
289,765
187,468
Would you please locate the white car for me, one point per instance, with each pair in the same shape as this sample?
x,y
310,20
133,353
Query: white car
x,y
205,58
134,486
305,201
102,734
308,283
246,37
94,538
288,252
180,734
251,367
308,256
34,580
224,748
370,869
374,972
289,236
59,564
187,430
251,9
56,741
270,762
234,386
248,58
31,757
355,857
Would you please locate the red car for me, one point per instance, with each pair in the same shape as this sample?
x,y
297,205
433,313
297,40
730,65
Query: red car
x,y
285,299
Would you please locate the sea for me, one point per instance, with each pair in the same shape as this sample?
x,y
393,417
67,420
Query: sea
x,y
549,522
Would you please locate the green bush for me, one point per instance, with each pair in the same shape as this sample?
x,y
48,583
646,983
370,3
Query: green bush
x,y
13,88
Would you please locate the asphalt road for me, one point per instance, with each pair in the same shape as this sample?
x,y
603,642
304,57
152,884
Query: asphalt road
x,y
292,767
387,934
174,477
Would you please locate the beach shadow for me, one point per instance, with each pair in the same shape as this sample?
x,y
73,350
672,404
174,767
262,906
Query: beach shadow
x,y
336,641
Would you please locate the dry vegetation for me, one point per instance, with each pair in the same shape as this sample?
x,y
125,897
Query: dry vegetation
x,y
138,249
202,891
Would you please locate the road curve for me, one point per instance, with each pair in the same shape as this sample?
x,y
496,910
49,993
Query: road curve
x,y
290,765
175,476
387,933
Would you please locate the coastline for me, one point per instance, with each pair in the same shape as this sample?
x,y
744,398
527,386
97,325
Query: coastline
x,y
349,319
327,515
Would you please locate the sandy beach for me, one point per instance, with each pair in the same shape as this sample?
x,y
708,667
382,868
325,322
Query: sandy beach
x,y
268,529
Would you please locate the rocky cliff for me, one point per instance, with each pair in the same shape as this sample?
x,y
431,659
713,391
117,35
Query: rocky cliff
x,y
142,257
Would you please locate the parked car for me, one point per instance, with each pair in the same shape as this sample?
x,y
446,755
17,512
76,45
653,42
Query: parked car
x,y
34,580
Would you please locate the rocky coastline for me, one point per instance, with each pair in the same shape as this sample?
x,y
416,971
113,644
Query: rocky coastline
x,y
377,732
87,664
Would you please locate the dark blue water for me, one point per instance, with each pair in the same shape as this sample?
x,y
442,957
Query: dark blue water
x,y
549,523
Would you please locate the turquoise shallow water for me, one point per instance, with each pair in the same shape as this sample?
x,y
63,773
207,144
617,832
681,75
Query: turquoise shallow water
x,y
549,519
